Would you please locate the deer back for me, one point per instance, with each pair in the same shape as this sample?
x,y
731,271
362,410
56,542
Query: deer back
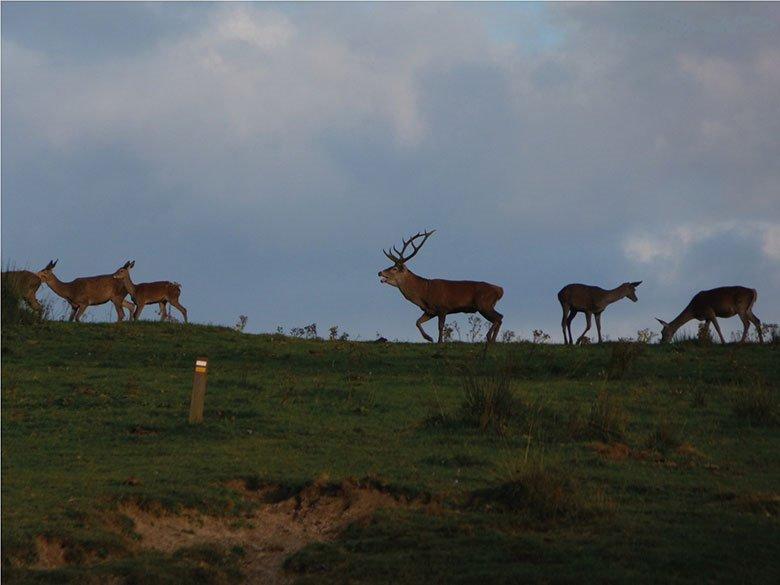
x,y
724,301
22,281
154,292
96,289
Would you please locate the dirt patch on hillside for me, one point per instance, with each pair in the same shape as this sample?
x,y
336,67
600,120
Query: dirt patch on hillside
x,y
611,451
269,533
51,553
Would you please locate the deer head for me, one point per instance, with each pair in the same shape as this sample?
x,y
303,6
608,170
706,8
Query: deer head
x,y
397,273
666,330
47,274
123,274
631,286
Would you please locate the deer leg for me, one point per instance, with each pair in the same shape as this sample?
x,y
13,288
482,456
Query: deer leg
x,y
442,322
33,302
130,308
425,317
120,311
495,319
163,312
746,326
598,325
717,328
73,310
587,327
79,312
572,314
753,319
181,308
563,323
139,306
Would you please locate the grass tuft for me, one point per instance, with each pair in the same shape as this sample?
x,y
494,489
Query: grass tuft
x,y
489,401
541,493
608,419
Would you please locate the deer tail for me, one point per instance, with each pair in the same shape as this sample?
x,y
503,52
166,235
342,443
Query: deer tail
x,y
753,300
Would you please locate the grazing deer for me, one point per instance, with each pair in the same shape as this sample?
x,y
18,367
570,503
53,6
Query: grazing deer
x,y
88,291
439,298
591,300
25,284
162,292
723,302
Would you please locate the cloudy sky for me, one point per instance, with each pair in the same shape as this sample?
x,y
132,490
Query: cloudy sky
x,y
263,154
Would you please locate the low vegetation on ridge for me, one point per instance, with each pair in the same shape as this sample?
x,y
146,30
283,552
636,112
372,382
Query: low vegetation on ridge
x,y
329,460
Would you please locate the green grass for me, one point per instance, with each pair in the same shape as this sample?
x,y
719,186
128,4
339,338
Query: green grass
x,y
95,414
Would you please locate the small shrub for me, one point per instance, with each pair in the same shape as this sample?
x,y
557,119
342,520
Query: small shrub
x,y
703,334
334,335
645,336
241,323
624,353
608,419
770,331
447,333
475,328
489,401
508,336
305,332
539,336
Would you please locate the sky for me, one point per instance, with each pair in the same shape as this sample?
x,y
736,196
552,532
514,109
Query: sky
x,y
262,155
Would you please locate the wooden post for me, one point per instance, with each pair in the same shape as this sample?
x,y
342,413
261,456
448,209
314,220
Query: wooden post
x,y
198,390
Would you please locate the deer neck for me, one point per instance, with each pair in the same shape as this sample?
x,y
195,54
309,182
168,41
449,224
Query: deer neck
x,y
413,288
63,289
613,295
129,285
680,320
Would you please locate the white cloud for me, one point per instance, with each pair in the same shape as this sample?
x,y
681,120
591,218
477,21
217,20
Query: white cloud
x,y
669,246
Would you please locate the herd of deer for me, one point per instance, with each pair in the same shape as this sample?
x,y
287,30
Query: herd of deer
x,y
436,297
81,293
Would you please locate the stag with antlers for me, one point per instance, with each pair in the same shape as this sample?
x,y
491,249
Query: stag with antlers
x,y
89,291
439,298
723,302
591,300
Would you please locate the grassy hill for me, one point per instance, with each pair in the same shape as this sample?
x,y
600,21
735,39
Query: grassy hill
x,y
365,462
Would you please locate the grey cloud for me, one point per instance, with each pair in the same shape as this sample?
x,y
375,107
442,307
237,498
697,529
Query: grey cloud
x,y
264,154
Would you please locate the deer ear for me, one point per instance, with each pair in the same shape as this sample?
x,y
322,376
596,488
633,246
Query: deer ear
x,y
636,284
132,264
664,323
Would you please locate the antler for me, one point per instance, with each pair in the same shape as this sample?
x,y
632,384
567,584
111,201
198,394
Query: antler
x,y
399,257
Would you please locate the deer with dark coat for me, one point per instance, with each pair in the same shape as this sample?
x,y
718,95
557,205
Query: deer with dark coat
x,y
591,300
724,302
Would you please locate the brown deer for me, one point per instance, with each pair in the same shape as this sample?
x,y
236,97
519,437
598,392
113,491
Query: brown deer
x,y
145,293
591,300
89,291
439,298
723,302
25,284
